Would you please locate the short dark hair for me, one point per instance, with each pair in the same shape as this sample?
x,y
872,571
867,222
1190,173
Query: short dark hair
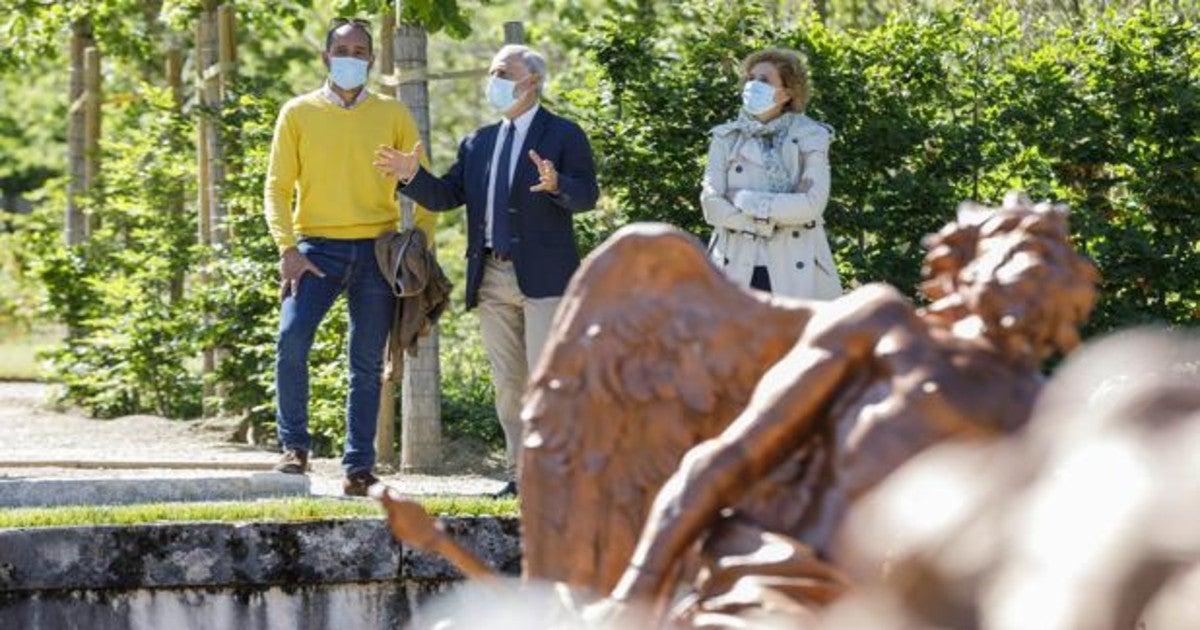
x,y
359,23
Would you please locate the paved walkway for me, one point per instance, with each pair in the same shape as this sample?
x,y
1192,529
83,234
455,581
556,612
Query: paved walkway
x,y
30,431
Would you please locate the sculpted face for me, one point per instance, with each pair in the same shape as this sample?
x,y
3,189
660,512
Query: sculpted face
x,y
1015,275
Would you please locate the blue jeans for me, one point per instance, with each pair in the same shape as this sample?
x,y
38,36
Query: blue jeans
x,y
349,266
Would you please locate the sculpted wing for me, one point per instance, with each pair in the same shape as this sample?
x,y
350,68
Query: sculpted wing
x,y
653,350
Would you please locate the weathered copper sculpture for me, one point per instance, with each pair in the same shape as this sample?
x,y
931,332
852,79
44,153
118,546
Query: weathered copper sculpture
x,y
1088,519
758,421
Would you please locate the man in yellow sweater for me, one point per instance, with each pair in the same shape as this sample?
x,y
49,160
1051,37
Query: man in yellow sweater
x,y
323,146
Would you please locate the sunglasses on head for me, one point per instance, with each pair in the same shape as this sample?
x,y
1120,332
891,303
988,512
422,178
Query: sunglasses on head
x,y
339,21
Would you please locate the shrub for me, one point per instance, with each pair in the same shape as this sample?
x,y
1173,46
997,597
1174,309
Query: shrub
x,y
931,110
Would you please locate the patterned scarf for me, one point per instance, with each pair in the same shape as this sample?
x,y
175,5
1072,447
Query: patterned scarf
x,y
769,137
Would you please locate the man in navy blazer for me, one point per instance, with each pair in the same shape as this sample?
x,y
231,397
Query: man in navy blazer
x,y
522,180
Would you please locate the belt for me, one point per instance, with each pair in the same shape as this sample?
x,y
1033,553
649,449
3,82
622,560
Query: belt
x,y
496,256
774,229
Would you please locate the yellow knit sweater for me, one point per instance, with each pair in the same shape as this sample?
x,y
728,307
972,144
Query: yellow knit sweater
x,y
324,152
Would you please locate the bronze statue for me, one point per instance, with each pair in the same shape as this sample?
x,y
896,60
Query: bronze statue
x,y
1087,519
758,421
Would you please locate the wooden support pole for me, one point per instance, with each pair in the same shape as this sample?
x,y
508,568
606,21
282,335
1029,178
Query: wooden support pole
x,y
227,54
203,176
208,49
91,125
206,93
421,399
204,234
174,74
227,48
74,224
387,52
514,33
385,424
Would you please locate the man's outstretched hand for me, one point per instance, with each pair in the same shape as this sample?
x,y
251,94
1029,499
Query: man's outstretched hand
x,y
401,165
547,174
292,266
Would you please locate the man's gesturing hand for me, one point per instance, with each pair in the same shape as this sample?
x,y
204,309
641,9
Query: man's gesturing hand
x,y
399,164
292,266
547,175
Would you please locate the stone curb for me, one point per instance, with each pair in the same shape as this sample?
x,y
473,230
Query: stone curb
x,y
124,491
261,554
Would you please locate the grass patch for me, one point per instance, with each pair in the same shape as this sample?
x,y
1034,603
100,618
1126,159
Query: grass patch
x,y
19,349
224,512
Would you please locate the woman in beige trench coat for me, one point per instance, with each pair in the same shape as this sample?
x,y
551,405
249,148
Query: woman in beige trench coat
x,y
767,183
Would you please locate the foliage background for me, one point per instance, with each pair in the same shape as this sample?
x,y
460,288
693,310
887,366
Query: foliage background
x,y
933,103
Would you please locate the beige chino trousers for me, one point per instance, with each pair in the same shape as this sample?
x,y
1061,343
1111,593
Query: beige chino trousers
x,y
514,330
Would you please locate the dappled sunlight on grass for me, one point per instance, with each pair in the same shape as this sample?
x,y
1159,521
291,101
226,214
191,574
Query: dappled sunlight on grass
x,y
273,510
19,350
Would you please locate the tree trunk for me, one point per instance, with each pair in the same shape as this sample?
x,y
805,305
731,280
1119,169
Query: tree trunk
x,y
421,401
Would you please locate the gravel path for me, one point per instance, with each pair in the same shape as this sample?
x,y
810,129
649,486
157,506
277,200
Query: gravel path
x,y
30,431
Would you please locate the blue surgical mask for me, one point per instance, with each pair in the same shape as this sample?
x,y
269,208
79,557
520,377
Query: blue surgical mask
x,y
347,73
500,93
758,97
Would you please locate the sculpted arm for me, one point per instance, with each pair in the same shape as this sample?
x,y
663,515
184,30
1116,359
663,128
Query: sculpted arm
x,y
786,406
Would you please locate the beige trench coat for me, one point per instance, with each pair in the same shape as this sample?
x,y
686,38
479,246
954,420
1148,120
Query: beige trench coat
x,y
787,226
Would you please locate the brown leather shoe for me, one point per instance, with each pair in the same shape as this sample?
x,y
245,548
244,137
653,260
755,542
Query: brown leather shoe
x,y
293,462
357,484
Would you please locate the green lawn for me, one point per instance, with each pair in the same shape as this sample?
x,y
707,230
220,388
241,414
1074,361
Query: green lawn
x,y
18,352
273,510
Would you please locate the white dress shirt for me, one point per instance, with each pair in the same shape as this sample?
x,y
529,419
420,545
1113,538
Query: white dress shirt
x,y
333,97
519,125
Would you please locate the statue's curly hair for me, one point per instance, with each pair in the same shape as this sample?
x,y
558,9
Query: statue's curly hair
x,y
1012,267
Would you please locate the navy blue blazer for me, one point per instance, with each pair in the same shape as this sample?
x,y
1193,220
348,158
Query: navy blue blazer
x,y
543,237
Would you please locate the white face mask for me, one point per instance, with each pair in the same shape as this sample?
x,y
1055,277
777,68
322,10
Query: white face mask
x,y
347,72
758,97
500,93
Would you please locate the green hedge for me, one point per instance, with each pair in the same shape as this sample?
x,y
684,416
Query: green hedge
x,y
929,109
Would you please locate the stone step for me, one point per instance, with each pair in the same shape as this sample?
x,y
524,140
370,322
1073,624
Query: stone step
x,y
48,488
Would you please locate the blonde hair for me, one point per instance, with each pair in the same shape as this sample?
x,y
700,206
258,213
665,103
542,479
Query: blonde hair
x,y
793,73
